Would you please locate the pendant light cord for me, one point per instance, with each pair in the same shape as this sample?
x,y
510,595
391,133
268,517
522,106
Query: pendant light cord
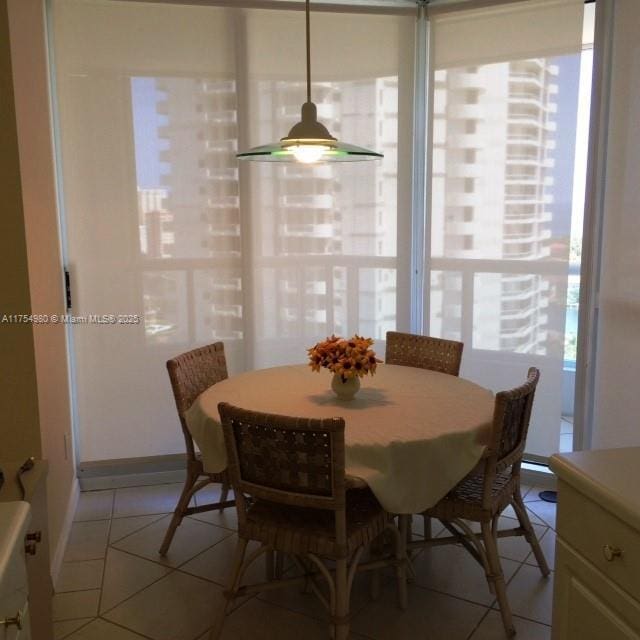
x,y
308,53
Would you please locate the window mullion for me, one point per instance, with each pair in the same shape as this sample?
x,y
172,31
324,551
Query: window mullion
x,y
419,312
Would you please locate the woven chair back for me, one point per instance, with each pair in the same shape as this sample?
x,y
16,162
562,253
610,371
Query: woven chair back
x,y
424,352
511,420
191,373
294,461
511,417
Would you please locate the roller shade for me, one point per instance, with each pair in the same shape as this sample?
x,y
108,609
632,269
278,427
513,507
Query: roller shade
x,y
143,38
343,46
514,31
164,227
506,92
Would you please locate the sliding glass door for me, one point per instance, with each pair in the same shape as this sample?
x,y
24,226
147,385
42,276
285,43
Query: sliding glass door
x,y
163,224
508,159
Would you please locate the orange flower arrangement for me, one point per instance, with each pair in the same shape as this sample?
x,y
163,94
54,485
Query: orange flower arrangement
x,y
351,358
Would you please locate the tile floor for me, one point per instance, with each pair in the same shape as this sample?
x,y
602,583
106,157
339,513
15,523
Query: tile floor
x,y
114,586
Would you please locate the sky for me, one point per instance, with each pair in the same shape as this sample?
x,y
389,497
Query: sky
x,y
146,120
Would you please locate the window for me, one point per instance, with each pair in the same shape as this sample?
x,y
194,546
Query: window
x,y
498,195
472,96
324,241
292,253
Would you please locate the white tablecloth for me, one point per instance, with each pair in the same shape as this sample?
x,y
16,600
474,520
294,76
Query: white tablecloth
x,y
411,434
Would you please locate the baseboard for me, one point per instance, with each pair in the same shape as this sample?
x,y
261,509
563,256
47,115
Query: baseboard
x,y
58,553
538,475
127,466
131,472
130,480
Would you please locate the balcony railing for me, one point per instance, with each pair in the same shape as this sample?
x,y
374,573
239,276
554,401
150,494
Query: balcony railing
x,y
510,270
344,279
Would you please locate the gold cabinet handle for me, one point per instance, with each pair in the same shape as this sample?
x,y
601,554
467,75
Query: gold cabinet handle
x,y
17,620
611,553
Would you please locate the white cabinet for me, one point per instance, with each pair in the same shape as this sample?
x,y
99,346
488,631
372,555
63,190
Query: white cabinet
x,y
597,580
32,488
14,590
586,606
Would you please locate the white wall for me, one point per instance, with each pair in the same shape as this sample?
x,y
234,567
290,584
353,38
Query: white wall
x,y
617,389
19,419
46,291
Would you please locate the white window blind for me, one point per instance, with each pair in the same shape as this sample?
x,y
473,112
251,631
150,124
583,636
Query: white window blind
x,y
505,98
154,102
507,31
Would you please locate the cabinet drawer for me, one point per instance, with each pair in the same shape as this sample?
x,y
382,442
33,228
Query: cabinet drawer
x,y
596,534
588,606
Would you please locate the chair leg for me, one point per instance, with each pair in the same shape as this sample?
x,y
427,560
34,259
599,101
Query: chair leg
x,y
497,577
279,568
308,567
427,527
229,595
269,557
402,561
521,511
223,494
178,514
376,551
341,612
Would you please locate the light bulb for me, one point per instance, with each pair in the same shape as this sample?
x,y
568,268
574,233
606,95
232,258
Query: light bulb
x,y
308,153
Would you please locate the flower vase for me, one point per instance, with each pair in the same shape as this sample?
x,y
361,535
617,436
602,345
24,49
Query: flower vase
x,y
345,389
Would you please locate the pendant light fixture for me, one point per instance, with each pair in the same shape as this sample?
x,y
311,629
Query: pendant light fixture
x,y
309,141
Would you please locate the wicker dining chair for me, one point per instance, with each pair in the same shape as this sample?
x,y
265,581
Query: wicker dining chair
x,y
485,493
190,374
288,475
424,352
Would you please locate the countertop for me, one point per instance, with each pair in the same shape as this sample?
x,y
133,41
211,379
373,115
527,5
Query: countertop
x,y
611,477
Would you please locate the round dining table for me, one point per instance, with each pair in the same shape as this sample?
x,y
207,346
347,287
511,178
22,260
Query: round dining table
x,y
411,434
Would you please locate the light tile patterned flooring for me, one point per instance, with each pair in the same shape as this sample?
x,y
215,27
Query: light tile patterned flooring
x,y
114,585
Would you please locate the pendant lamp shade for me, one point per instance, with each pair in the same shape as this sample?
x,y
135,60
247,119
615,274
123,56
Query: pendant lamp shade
x,y
309,141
